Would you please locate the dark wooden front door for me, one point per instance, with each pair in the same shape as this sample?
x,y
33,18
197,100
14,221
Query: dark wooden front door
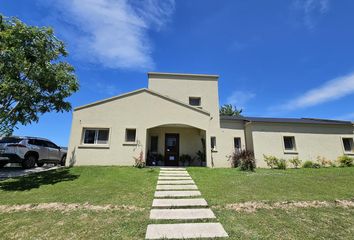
x,y
171,149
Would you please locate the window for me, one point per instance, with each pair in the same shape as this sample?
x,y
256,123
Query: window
x,y
348,144
289,143
50,144
194,101
130,135
96,136
213,143
153,144
237,143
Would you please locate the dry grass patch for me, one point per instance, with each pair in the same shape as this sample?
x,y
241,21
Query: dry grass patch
x,y
65,207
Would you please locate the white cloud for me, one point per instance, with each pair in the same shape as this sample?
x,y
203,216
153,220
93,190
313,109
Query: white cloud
x,y
311,11
331,90
240,98
114,33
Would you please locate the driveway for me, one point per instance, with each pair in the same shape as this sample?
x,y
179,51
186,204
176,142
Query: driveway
x,y
9,172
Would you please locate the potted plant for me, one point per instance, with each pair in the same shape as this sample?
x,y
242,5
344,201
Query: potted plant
x,y
185,159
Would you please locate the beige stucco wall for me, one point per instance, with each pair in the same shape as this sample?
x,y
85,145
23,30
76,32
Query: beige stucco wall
x,y
225,141
182,87
140,110
311,140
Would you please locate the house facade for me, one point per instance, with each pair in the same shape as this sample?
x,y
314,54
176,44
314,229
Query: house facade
x,y
178,116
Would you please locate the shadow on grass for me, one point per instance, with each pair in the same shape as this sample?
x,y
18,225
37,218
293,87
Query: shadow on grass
x,y
38,179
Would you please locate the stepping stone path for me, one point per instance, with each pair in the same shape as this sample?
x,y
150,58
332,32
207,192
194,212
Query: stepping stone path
x,y
177,198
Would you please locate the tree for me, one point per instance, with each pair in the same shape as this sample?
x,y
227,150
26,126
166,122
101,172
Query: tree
x,y
34,79
230,110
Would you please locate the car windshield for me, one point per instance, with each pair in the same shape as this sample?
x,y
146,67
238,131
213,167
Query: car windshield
x,y
10,140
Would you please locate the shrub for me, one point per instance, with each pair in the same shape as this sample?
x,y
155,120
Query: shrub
x,y
243,159
235,159
324,162
296,162
271,161
281,164
139,161
345,161
307,164
316,165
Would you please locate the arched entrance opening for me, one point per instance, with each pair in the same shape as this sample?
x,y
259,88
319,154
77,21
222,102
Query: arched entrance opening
x,y
175,145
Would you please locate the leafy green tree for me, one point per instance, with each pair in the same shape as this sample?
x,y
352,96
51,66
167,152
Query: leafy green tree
x,y
34,79
230,110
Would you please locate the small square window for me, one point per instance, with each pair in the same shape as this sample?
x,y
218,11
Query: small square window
x,y
213,142
289,143
348,144
194,101
237,143
130,135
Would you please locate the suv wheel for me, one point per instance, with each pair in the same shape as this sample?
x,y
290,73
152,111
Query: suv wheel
x,y
29,161
63,159
40,164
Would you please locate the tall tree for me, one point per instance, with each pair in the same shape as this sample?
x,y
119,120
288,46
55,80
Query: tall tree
x,y
230,110
34,79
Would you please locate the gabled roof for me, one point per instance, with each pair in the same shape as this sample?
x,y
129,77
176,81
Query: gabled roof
x,y
287,120
167,98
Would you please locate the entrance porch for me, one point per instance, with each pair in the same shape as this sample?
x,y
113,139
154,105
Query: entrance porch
x,y
175,145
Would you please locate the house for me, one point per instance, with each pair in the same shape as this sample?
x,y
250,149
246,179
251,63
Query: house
x,y
178,114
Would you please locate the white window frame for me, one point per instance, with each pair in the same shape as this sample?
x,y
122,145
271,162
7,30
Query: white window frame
x,y
344,151
294,150
96,136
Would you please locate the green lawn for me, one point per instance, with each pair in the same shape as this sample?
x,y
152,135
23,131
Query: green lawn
x,y
227,186
95,185
220,187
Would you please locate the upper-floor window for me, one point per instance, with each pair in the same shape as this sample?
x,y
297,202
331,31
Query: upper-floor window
x,y
289,143
348,144
194,101
130,135
95,136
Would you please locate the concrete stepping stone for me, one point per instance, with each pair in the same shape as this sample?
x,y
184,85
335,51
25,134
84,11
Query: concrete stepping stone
x,y
175,178
180,202
174,175
161,182
185,230
177,193
173,172
172,169
189,213
176,187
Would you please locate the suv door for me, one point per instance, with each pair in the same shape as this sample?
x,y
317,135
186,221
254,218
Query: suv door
x,y
53,151
39,147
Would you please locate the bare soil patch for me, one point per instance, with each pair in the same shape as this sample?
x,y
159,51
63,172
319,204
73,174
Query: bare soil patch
x,y
65,207
253,206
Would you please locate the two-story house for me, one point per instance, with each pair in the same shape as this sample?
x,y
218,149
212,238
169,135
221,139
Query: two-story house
x,y
178,114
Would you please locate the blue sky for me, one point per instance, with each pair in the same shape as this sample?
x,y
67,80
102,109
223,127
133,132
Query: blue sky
x,y
275,58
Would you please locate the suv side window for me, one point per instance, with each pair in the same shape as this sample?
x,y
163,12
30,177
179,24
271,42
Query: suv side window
x,y
50,144
35,142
